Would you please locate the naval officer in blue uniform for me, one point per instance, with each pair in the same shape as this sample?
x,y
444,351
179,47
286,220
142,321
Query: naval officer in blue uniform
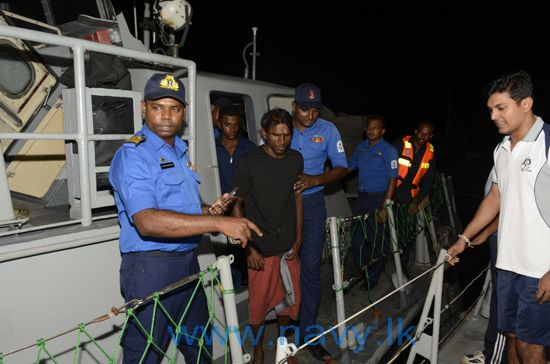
x,y
317,140
161,219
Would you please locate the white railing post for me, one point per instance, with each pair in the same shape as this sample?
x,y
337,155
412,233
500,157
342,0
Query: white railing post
x,y
6,210
422,255
82,141
223,264
338,289
284,350
449,203
484,296
82,137
428,345
396,256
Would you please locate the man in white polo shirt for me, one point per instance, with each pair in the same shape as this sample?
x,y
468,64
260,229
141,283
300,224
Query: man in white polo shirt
x,y
521,172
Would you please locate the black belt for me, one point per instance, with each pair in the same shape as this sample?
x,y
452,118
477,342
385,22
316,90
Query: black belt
x,y
160,253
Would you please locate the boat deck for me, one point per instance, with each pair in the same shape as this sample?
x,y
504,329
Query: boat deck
x,y
467,339
375,347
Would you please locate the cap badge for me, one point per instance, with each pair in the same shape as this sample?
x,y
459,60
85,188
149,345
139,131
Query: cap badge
x,y
170,83
311,95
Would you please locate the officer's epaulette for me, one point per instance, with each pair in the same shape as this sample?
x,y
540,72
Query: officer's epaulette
x,y
136,139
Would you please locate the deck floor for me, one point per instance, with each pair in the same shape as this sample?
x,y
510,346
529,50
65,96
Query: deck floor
x,y
377,341
467,339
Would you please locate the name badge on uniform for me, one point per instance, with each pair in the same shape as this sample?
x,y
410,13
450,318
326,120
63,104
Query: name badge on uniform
x,y
164,164
167,165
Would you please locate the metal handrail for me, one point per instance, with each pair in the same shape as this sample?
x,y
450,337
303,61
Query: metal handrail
x,y
82,137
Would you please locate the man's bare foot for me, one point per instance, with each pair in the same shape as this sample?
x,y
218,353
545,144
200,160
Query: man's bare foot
x,y
258,355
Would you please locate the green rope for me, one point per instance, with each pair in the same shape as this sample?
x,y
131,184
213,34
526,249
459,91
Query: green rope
x,y
42,348
82,329
77,347
119,339
405,226
362,222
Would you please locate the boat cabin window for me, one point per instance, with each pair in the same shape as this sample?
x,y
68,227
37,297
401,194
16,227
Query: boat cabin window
x,y
16,75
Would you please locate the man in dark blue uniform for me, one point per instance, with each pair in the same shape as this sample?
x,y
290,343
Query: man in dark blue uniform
x,y
317,139
161,219
215,108
376,160
230,146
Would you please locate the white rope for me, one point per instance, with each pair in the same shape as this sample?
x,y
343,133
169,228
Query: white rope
x,y
416,337
367,308
464,290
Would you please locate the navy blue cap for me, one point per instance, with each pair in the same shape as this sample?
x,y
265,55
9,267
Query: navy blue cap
x,y
223,102
162,85
308,96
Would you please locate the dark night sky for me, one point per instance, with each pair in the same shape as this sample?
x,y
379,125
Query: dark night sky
x,y
405,61
408,62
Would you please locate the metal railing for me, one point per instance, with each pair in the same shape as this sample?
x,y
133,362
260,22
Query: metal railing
x,y
83,137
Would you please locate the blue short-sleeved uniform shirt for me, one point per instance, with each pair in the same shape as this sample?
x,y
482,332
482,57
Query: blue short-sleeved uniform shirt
x,y
316,143
227,164
152,174
376,165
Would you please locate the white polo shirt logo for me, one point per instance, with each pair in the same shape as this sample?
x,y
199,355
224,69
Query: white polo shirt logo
x,y
526,165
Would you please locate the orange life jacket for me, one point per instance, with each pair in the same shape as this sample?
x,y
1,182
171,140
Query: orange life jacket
x,y
405,162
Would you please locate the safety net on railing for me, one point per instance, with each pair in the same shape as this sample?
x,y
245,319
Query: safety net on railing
x,y
201,337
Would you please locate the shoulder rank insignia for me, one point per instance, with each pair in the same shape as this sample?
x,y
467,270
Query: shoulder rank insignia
x,y
136,139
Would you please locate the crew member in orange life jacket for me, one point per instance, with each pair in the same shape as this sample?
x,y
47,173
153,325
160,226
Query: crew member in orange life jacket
x,y
416,163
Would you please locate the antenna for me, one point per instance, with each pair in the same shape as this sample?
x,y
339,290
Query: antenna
x,y
254,54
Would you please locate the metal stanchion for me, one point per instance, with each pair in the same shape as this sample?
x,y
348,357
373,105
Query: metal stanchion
x,y
338,288
223,264
396,257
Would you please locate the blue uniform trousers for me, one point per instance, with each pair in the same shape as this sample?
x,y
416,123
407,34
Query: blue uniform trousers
x,y
496,343
141,274
315,215
362,249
